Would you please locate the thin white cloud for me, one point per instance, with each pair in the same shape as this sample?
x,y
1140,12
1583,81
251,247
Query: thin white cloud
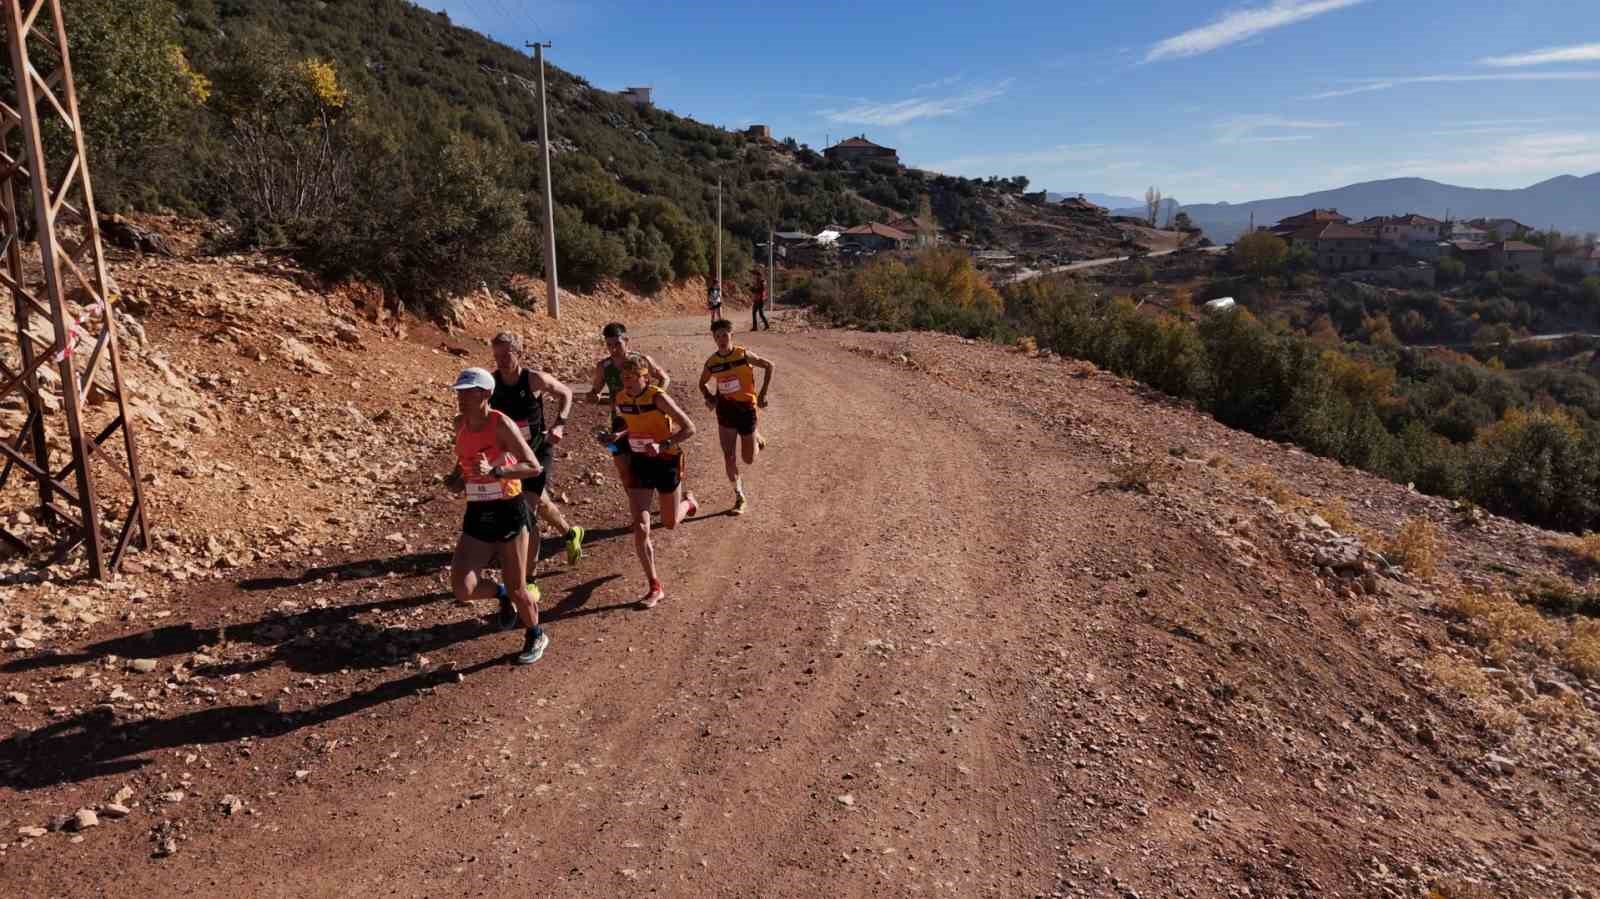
x,y
1278,139
938,83
1538,155
900,112
1243,128
1347,91
1383,84
1577,53
1242,24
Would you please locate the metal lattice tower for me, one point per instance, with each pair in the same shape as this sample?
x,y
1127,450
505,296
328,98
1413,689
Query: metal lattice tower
x,y
62,306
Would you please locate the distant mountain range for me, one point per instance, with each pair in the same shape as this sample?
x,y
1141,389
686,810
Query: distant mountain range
x,y
1567,203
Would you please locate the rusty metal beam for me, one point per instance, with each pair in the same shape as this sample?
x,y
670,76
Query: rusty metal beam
x,y
64,264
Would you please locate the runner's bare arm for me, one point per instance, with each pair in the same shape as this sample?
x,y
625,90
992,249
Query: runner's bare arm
x,y
767,368
598,384
454,481
508,436
675,412
663,380
705,378
563,393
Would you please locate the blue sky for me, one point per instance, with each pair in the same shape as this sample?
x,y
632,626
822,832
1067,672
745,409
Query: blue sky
x,y
1207,101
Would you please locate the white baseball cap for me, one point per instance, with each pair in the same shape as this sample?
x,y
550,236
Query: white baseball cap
x,y
474,379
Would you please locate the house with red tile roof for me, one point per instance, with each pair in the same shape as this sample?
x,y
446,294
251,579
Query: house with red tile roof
x,y
857,151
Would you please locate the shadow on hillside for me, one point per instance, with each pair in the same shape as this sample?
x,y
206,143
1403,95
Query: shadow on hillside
x,y
95,744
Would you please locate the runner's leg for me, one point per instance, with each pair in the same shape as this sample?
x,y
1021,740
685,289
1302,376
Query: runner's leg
x,y
471,554
532,551
639,500
515,558
730,459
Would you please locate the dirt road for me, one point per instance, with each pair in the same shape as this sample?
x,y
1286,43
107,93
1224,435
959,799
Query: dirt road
x,y
936,657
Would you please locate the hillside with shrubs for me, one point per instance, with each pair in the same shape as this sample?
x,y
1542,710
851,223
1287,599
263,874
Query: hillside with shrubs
x,y
1524,443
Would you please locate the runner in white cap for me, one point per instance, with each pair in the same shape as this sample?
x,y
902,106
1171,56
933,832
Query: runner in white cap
x,y
491,461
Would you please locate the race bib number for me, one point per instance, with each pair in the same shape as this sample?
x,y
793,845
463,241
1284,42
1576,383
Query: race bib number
x,y
641,445
726,386
478,491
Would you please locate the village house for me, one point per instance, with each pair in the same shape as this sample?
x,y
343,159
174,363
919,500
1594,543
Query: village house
x,y
858,151
1516,256
1286,228
1404,230
1474,254
1336,246
1500,228
923,234
759,133
874,236
1464,231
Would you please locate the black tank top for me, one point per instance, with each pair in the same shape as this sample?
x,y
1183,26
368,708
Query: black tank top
x,y
522,404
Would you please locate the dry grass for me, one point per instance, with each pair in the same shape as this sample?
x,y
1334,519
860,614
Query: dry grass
x,y
1027,344
1586,547
1449,671
1219,462
1504,625
1458,888
1265,482
1471,683
1140,475
1335,513
1582,652
1415,547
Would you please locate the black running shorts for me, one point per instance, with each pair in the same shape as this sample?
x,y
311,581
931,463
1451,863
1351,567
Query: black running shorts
x,y
739,416
533,487
495,520
659,473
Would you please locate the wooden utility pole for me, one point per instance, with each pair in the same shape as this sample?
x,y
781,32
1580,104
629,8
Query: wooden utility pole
x,y
65,309
550,280
719,237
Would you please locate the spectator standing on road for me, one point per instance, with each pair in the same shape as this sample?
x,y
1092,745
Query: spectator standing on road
x,y
758,307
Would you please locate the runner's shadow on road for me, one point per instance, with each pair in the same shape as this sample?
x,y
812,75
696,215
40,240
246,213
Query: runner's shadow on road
x,y
182,639
410,565
95,744
576,603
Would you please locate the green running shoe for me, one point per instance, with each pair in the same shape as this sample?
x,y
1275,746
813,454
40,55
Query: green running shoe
x,y
575,545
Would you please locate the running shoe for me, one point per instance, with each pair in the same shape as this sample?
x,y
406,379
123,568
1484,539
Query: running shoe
x,y
739,503
761,443
655,596
533,647
574,545
694,506
508,612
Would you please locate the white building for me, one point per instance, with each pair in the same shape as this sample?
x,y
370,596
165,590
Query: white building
x,y
638,96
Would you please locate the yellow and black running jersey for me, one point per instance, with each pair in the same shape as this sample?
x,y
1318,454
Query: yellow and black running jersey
x,y
736,379
645,422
